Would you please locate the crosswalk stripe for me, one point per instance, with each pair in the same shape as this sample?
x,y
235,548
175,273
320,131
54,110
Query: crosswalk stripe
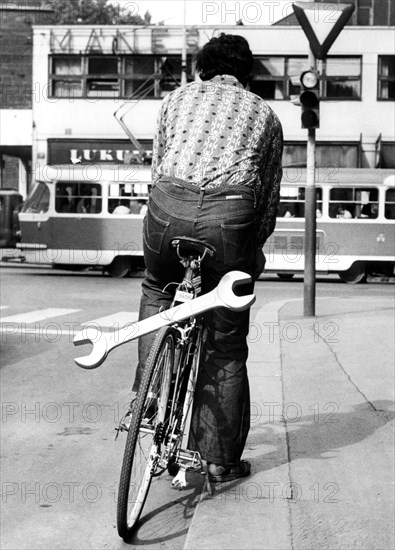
x,y
115,321
37,315
43,332
19,323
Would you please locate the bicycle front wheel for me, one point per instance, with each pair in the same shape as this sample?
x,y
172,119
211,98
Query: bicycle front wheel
x,y
144,444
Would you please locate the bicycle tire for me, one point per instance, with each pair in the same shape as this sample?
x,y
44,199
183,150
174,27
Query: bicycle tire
x,y
143,440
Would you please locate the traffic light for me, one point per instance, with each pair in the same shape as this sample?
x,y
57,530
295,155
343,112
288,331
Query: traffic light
x,y
310,99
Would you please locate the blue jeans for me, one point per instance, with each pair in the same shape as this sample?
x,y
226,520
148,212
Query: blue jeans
x,y
227,220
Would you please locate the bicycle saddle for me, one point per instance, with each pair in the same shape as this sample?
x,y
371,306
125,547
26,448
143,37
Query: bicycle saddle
x,y
188,246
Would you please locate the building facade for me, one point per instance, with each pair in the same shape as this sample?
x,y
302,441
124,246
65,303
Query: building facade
x,y
16,60
370,12
366,13
82,76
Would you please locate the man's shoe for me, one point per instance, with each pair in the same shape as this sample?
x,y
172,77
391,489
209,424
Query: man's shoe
x,y
220,474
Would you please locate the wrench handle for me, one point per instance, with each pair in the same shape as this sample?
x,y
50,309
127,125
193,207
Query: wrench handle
x,y
222,295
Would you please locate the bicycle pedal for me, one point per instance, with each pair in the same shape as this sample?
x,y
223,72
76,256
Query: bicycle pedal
x,y
120,429
180,481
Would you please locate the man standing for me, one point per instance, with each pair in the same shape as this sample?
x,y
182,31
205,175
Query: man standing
x,y
216,173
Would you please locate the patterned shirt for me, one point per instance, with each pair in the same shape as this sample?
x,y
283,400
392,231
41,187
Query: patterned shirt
x,y
217,134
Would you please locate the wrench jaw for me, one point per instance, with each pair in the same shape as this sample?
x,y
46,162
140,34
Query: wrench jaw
x,y
227,295
99,351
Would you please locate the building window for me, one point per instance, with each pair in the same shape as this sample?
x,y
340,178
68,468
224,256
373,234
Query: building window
x,y
137,75
385,153
109,76
171,73
102,78
152,76
365,13
386,77
341,77
67,77
279,77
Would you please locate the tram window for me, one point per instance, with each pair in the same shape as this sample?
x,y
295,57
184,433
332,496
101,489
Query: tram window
x,y
353,202
127,196
78,198
38,201
292,202
318,198
389,211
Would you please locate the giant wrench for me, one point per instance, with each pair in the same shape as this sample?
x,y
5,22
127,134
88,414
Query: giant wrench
x,y
221,296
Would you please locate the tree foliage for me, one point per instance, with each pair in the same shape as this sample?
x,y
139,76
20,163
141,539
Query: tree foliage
x,y
95,12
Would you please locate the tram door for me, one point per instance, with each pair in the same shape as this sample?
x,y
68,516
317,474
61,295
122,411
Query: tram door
x,y
10,204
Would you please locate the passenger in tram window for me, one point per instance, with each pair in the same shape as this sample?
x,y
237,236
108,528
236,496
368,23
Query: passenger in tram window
x,y
369,210
122,208
84,202
289,213
342,212
318,213
64,203
134,207
366,211
143,207
83,206
287,210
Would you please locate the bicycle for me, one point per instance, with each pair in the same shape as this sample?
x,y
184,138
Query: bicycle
x,y
158,433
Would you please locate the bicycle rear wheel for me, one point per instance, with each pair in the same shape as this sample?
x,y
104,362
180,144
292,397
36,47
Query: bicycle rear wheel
x,y
143,449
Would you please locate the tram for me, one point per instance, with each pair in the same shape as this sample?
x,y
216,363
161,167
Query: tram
x,y
85,216
355,213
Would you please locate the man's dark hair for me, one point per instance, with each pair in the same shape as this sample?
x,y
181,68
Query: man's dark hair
x,y
225,54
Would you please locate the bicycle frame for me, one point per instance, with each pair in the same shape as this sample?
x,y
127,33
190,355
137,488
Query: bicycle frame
x,y
160,419
186,360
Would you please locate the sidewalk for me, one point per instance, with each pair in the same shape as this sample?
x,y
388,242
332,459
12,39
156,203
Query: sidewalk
x,y
321,443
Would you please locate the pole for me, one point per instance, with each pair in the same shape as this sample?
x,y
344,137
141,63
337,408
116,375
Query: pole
x,y
184,48
310,221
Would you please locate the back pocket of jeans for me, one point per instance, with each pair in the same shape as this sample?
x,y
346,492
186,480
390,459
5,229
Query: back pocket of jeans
x,y
154,232
239,244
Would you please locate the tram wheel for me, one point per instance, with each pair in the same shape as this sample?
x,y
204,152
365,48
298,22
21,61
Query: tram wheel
x,y
355,274
119,267
285,276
